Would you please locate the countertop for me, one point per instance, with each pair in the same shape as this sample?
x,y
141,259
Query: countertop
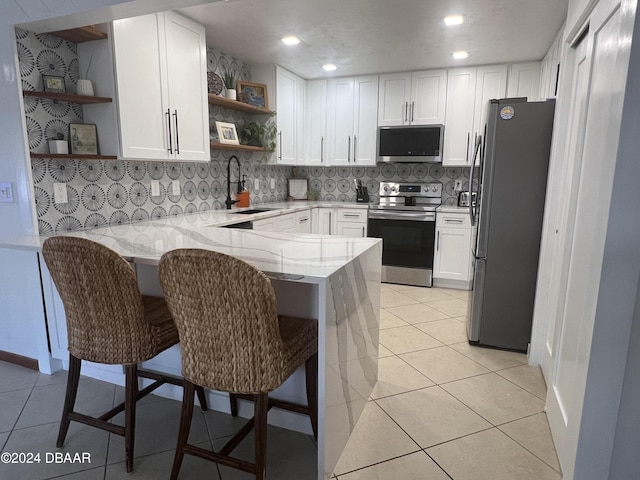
x,y
283,255
452,209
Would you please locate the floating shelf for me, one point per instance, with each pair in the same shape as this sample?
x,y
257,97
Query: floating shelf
x,y
237,106
73,155
227,146
68,97
81,34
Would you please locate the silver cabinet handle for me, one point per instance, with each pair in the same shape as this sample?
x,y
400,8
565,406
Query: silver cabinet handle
x,y
175,116
280,141
438,242
466,157
168,114
413,105
302,220
453,220
349,150
321,149
406,112
330,223
363,232
355,140
351,215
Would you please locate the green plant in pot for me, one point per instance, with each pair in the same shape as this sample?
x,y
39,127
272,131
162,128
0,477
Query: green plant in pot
x,y
260,135
229,78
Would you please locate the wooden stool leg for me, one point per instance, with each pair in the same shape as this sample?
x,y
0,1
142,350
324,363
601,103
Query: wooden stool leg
x,y
185,426
261,407
233,402
202,398
73,379
311,374
130,393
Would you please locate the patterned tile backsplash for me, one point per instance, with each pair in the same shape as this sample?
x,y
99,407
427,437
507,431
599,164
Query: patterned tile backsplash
x,y
115,191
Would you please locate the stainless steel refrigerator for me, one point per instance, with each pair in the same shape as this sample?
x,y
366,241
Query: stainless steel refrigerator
x,y
511,187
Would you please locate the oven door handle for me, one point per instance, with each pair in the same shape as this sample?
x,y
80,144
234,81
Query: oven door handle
x,y
416,217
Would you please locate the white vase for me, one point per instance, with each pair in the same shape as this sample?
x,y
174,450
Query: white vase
x,y
231,93
58,146
84,87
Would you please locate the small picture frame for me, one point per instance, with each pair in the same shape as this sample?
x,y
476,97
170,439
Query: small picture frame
x,y
53,84
297,188
83,138
254,94
227,133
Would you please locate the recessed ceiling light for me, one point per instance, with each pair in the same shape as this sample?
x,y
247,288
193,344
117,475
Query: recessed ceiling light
x,y
291,40
330,67
453,20
460,55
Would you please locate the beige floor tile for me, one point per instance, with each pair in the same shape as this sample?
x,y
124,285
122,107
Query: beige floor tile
x,y
389,320
394,299
490,455
454,292
454,307
395,376
533,434
448,331
385,288
384,352
431,416
496,399
397,287
417,313
528,377
406,339
374,439
417,466
490,357
444,364
425,295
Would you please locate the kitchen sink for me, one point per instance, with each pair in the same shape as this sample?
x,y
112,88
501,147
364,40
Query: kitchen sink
x,y
254,210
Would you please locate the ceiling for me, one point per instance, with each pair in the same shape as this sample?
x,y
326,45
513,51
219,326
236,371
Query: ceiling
x,y
375,36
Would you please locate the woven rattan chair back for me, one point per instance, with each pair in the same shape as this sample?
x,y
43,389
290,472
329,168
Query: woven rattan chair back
x,y
102,302
225,311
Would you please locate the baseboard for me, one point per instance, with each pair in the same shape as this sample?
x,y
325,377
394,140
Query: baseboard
x,y
21,360
455,284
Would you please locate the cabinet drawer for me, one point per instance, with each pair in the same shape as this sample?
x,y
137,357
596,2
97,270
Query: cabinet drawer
x,y
355,215
453,220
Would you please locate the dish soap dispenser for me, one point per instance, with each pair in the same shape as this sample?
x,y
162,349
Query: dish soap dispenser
x,y
243,196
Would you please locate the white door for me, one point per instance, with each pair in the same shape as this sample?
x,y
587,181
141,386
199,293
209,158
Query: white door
x,y
395,89
316,124
340,99
609,31
461,91
365,129
428,97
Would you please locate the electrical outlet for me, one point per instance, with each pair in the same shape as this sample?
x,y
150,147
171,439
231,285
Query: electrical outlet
x,y
458,186
6,192
273,183
60,193
175,187
256,185
155,188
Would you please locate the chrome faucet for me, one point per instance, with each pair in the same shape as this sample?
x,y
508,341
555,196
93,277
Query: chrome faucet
x,y
230,202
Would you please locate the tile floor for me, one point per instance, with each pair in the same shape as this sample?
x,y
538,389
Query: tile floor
x,y
441,410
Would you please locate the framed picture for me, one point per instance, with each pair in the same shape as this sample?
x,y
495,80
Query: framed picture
x,y
227,133
253,93
53,84
83,139
297,188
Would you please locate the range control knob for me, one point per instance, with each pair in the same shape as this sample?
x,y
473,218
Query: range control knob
x,y
434,188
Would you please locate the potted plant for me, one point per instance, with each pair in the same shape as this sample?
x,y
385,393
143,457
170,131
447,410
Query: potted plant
x,y
229,79
58,144
260,135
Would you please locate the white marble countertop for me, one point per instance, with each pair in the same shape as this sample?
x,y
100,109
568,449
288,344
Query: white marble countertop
x,y
283,255
452,209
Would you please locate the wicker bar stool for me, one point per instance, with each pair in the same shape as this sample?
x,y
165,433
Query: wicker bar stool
x,y
110,322
233,340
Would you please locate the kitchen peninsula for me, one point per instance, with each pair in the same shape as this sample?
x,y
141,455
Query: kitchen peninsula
x,y
333,279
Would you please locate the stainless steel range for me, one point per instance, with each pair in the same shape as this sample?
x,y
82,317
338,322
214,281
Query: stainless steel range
x,y
405,220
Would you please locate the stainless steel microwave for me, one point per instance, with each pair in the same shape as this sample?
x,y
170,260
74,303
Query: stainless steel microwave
x,y
414,143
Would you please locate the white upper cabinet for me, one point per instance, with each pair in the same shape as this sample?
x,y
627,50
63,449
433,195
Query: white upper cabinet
x,y
524,80
412,98
287,93
315,128
160,66
352,119
468,93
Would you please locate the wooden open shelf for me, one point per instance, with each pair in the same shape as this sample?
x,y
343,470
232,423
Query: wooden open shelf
x,y
73,155
81,34
237,106
226,146
68,97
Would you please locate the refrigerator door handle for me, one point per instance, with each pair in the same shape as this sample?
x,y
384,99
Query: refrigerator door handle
x,y
472,207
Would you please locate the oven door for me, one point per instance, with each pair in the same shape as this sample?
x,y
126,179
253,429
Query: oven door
x,y
407,245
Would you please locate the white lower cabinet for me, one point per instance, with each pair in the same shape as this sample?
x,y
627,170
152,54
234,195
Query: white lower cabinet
x,y
282,223
339,221
303,221
453,262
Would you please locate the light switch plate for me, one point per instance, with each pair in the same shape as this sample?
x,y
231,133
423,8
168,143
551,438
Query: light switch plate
x,y
256,185
458,186
60,193
175,187
155,188
6,192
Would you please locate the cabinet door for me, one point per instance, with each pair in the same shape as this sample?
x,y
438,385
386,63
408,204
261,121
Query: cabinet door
x,y
186,64
428,97
347,229
326,221
393,99
286,117
142,93
299,109
452,253
524,80
461,85
365,125
491,82
340,133
316,122
303,222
